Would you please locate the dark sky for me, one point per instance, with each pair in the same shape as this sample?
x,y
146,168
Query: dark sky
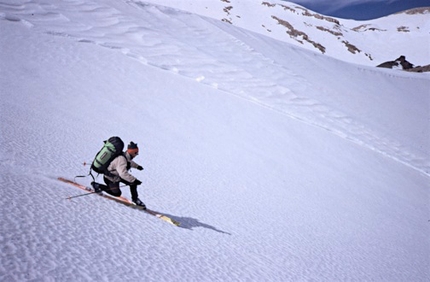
x,y
360,9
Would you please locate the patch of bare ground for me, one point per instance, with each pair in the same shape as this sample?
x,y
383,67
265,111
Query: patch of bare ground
x,y
268,4
295,34
351,48
227,9
403,29
305,12
365,27
335,33
269,30
318,16
422,10
425,68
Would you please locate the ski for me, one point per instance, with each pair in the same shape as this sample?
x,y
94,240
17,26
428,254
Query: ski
x,y
121,200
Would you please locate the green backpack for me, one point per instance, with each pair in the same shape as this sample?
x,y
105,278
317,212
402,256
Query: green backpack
x,y
112,148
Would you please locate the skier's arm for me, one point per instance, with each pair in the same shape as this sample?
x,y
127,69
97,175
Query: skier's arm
x,y
122,171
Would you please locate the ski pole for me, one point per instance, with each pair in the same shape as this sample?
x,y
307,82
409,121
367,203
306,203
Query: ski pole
x,y
86,194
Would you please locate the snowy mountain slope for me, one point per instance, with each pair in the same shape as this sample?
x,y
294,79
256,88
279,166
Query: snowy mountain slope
x,y
362,42
247,75
245,140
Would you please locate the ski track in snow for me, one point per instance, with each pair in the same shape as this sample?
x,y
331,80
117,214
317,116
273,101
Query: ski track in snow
x,y
139,38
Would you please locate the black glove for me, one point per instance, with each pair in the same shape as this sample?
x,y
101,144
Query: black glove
x,y
139,168
137,182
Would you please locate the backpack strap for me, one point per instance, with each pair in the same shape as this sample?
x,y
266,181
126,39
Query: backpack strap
x,y
110,174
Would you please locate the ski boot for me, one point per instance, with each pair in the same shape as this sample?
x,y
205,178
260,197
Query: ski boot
x,y
139,203
96,187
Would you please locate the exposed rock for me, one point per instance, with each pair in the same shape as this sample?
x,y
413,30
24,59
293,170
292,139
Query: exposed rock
x,y
420,69
422,10
298,35
399,62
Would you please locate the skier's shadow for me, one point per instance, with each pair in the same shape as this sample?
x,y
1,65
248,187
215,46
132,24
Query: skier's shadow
x,y
190,223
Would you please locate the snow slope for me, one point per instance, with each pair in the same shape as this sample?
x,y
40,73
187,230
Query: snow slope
x,y
280,163
370,42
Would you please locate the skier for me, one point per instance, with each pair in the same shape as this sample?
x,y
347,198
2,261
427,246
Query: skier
x,y
118,172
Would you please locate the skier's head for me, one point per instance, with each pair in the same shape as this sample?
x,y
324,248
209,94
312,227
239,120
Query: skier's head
x,y
132,149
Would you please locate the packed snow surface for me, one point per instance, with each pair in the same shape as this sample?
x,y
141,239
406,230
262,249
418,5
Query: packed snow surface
x,y
281,164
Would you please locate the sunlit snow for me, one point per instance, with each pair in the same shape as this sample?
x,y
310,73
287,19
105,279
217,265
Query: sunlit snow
x,y
282,164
